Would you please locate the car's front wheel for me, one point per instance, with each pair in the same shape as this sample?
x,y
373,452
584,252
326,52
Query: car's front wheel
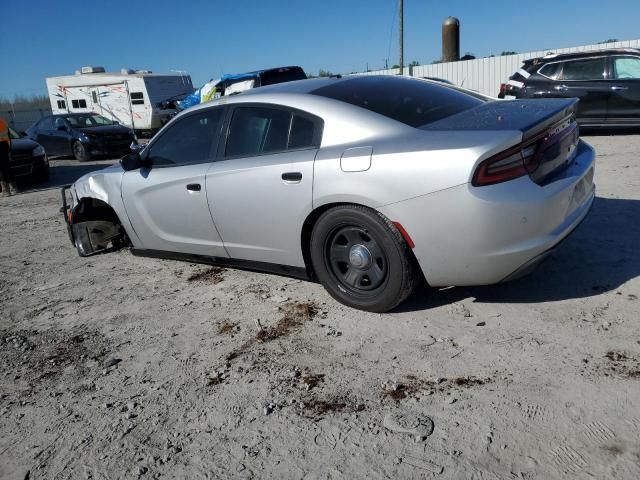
x,y
361,258
80,152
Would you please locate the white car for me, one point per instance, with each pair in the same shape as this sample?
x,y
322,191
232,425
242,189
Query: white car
x,y
366,183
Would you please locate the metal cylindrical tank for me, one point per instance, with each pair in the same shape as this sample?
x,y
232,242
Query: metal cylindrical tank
x,y
451,39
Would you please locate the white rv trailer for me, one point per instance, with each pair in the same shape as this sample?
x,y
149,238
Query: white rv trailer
x,y
133,98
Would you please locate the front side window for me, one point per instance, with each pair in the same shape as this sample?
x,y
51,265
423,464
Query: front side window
x,y
257,130
187,141
626,68
588,69
60,122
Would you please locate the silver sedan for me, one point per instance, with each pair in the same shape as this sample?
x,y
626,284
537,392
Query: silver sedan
x,y
368,184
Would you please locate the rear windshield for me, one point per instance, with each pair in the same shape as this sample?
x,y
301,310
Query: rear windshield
x,y
413,102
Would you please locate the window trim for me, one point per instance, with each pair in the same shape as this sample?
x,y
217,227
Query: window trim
x,y
317,134
605,72
612,74
213,148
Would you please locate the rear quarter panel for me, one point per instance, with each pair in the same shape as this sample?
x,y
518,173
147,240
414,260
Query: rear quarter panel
x,y
405,166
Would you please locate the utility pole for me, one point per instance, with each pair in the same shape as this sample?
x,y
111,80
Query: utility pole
x,y
401,37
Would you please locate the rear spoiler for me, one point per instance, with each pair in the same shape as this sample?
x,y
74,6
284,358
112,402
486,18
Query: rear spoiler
x,y
530,116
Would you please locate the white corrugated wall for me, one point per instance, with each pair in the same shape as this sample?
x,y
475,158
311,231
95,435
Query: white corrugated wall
x,y
486,74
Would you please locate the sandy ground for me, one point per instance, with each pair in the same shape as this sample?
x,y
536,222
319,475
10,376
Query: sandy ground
x,y
122,367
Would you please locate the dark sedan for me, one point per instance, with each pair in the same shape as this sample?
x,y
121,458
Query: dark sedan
x,y
83,135
28,159
607,82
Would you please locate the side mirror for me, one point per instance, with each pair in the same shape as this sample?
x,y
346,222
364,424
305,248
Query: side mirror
x,y
136,147
131,161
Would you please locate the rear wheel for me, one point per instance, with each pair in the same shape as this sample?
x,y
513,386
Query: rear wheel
x,y
361,258
80,152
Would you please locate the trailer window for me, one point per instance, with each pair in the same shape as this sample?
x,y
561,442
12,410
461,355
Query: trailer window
x,y
61,104
137,98
79,103
94,95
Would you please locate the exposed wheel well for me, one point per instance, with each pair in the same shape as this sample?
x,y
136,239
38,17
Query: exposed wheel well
x,y
96,226
89,209
307,228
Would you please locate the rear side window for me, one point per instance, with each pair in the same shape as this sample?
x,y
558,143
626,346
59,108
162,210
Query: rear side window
x,y
257,130
303,133
46,123
550,70
626,68
412,102
188,141
588,69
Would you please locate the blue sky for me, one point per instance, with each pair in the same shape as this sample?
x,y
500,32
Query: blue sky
x,y
209,38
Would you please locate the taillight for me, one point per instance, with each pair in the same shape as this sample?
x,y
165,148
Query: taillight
x,y
512,163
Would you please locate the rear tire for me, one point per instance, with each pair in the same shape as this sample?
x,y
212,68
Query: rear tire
x,y
361,259
80,151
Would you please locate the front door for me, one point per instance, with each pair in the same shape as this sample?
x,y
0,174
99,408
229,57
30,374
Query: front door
x,y
260,191
624,103
167,201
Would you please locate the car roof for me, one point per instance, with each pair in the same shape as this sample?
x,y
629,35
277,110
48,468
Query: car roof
x,y
308,86
554,57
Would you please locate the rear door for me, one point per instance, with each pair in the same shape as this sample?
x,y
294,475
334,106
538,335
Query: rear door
x,y
60,137
585,79
167,202
624,102
260,189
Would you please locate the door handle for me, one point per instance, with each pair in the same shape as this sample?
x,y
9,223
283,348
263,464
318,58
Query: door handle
x,y
617,88
194,187
292,176
561,88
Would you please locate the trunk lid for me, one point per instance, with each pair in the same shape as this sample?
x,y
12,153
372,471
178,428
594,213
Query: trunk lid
x,y
549,130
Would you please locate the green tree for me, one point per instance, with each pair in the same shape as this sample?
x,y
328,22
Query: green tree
x,y
415,63
324,73
508,52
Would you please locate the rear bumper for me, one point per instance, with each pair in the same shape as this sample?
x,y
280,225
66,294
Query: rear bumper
x,y
469,235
